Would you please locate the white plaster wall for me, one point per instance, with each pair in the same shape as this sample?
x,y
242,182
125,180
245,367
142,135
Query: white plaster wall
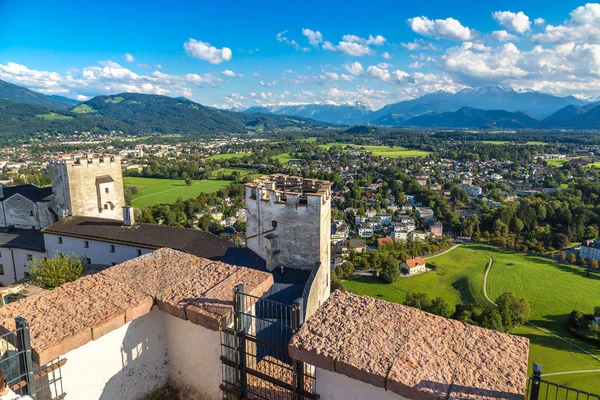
x,y
22,261
17,212
125,364
9,273
194,359
98,252
334,386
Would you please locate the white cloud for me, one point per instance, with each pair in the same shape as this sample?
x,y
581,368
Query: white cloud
x,y
504,36
376,41
314,37
81,97
382,73
386,55
448,28
108,78
583,26
478,63
518,22
354,68
356,46
539,21
282,38
129,58
419,44
229,72
204,51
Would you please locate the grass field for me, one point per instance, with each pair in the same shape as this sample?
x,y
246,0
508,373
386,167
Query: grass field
x,y
228,171
166,191
458,278
228,156
53,116
383,151
552,289
558,162
82,108
284,158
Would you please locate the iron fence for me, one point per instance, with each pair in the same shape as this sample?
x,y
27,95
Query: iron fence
x,y
22,376
540,389
256,363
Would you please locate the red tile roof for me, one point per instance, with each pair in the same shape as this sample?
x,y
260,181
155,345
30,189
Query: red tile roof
x,y
186,286
384,240
412,353
413,262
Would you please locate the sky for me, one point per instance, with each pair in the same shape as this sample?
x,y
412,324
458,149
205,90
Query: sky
x,y
236,54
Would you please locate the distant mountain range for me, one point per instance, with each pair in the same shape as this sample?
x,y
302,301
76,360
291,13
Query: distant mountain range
x,y
25,113
467,108
345,113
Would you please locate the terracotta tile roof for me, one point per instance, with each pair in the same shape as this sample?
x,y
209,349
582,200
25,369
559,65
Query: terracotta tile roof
x,y
183,285
384,240
413,262
410,352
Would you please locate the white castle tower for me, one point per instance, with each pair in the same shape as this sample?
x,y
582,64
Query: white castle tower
x,y
90,187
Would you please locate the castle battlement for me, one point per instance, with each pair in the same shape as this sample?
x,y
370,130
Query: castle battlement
x,y
86,161
279,189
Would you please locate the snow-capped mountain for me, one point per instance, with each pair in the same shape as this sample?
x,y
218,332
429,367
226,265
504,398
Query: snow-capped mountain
x,y
331,112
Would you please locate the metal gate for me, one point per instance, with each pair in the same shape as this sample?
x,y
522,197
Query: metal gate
x,y
256,363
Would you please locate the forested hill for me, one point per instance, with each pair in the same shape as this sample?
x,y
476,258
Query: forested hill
x,y
137,114
154,113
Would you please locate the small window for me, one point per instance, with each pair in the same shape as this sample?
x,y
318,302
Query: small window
x,y
29,257
88,261
27,274
86,244
31,213
1,269
106,206
106,190
139,252
60,240
112,248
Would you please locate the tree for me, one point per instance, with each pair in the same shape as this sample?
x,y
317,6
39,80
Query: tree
x,y
417,300
188,181
390,270
490,318
593,264
205,222
572,258
561,241
517,225
440,307
51,273
561,256
345,271
576,320
513,309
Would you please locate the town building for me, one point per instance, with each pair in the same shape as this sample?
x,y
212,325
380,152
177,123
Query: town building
x,y
590,250
413,266
339,231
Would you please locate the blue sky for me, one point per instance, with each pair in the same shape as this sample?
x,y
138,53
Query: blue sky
x,y
239,54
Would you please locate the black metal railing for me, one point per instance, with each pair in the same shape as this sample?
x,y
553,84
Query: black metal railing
x,y
254,355
540,389
22,376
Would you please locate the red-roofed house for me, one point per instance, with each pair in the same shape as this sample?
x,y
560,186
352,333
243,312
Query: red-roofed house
x,y
384,241
413,266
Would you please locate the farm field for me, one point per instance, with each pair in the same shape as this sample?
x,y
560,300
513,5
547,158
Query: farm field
x,y
383,151
53,116
284,158
552,289
227,156
166,191
243,172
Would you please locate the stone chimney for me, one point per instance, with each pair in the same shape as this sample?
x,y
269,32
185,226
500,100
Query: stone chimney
x,y
128,217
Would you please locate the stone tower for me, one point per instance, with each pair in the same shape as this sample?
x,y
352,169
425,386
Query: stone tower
x,y
289,221
90,187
